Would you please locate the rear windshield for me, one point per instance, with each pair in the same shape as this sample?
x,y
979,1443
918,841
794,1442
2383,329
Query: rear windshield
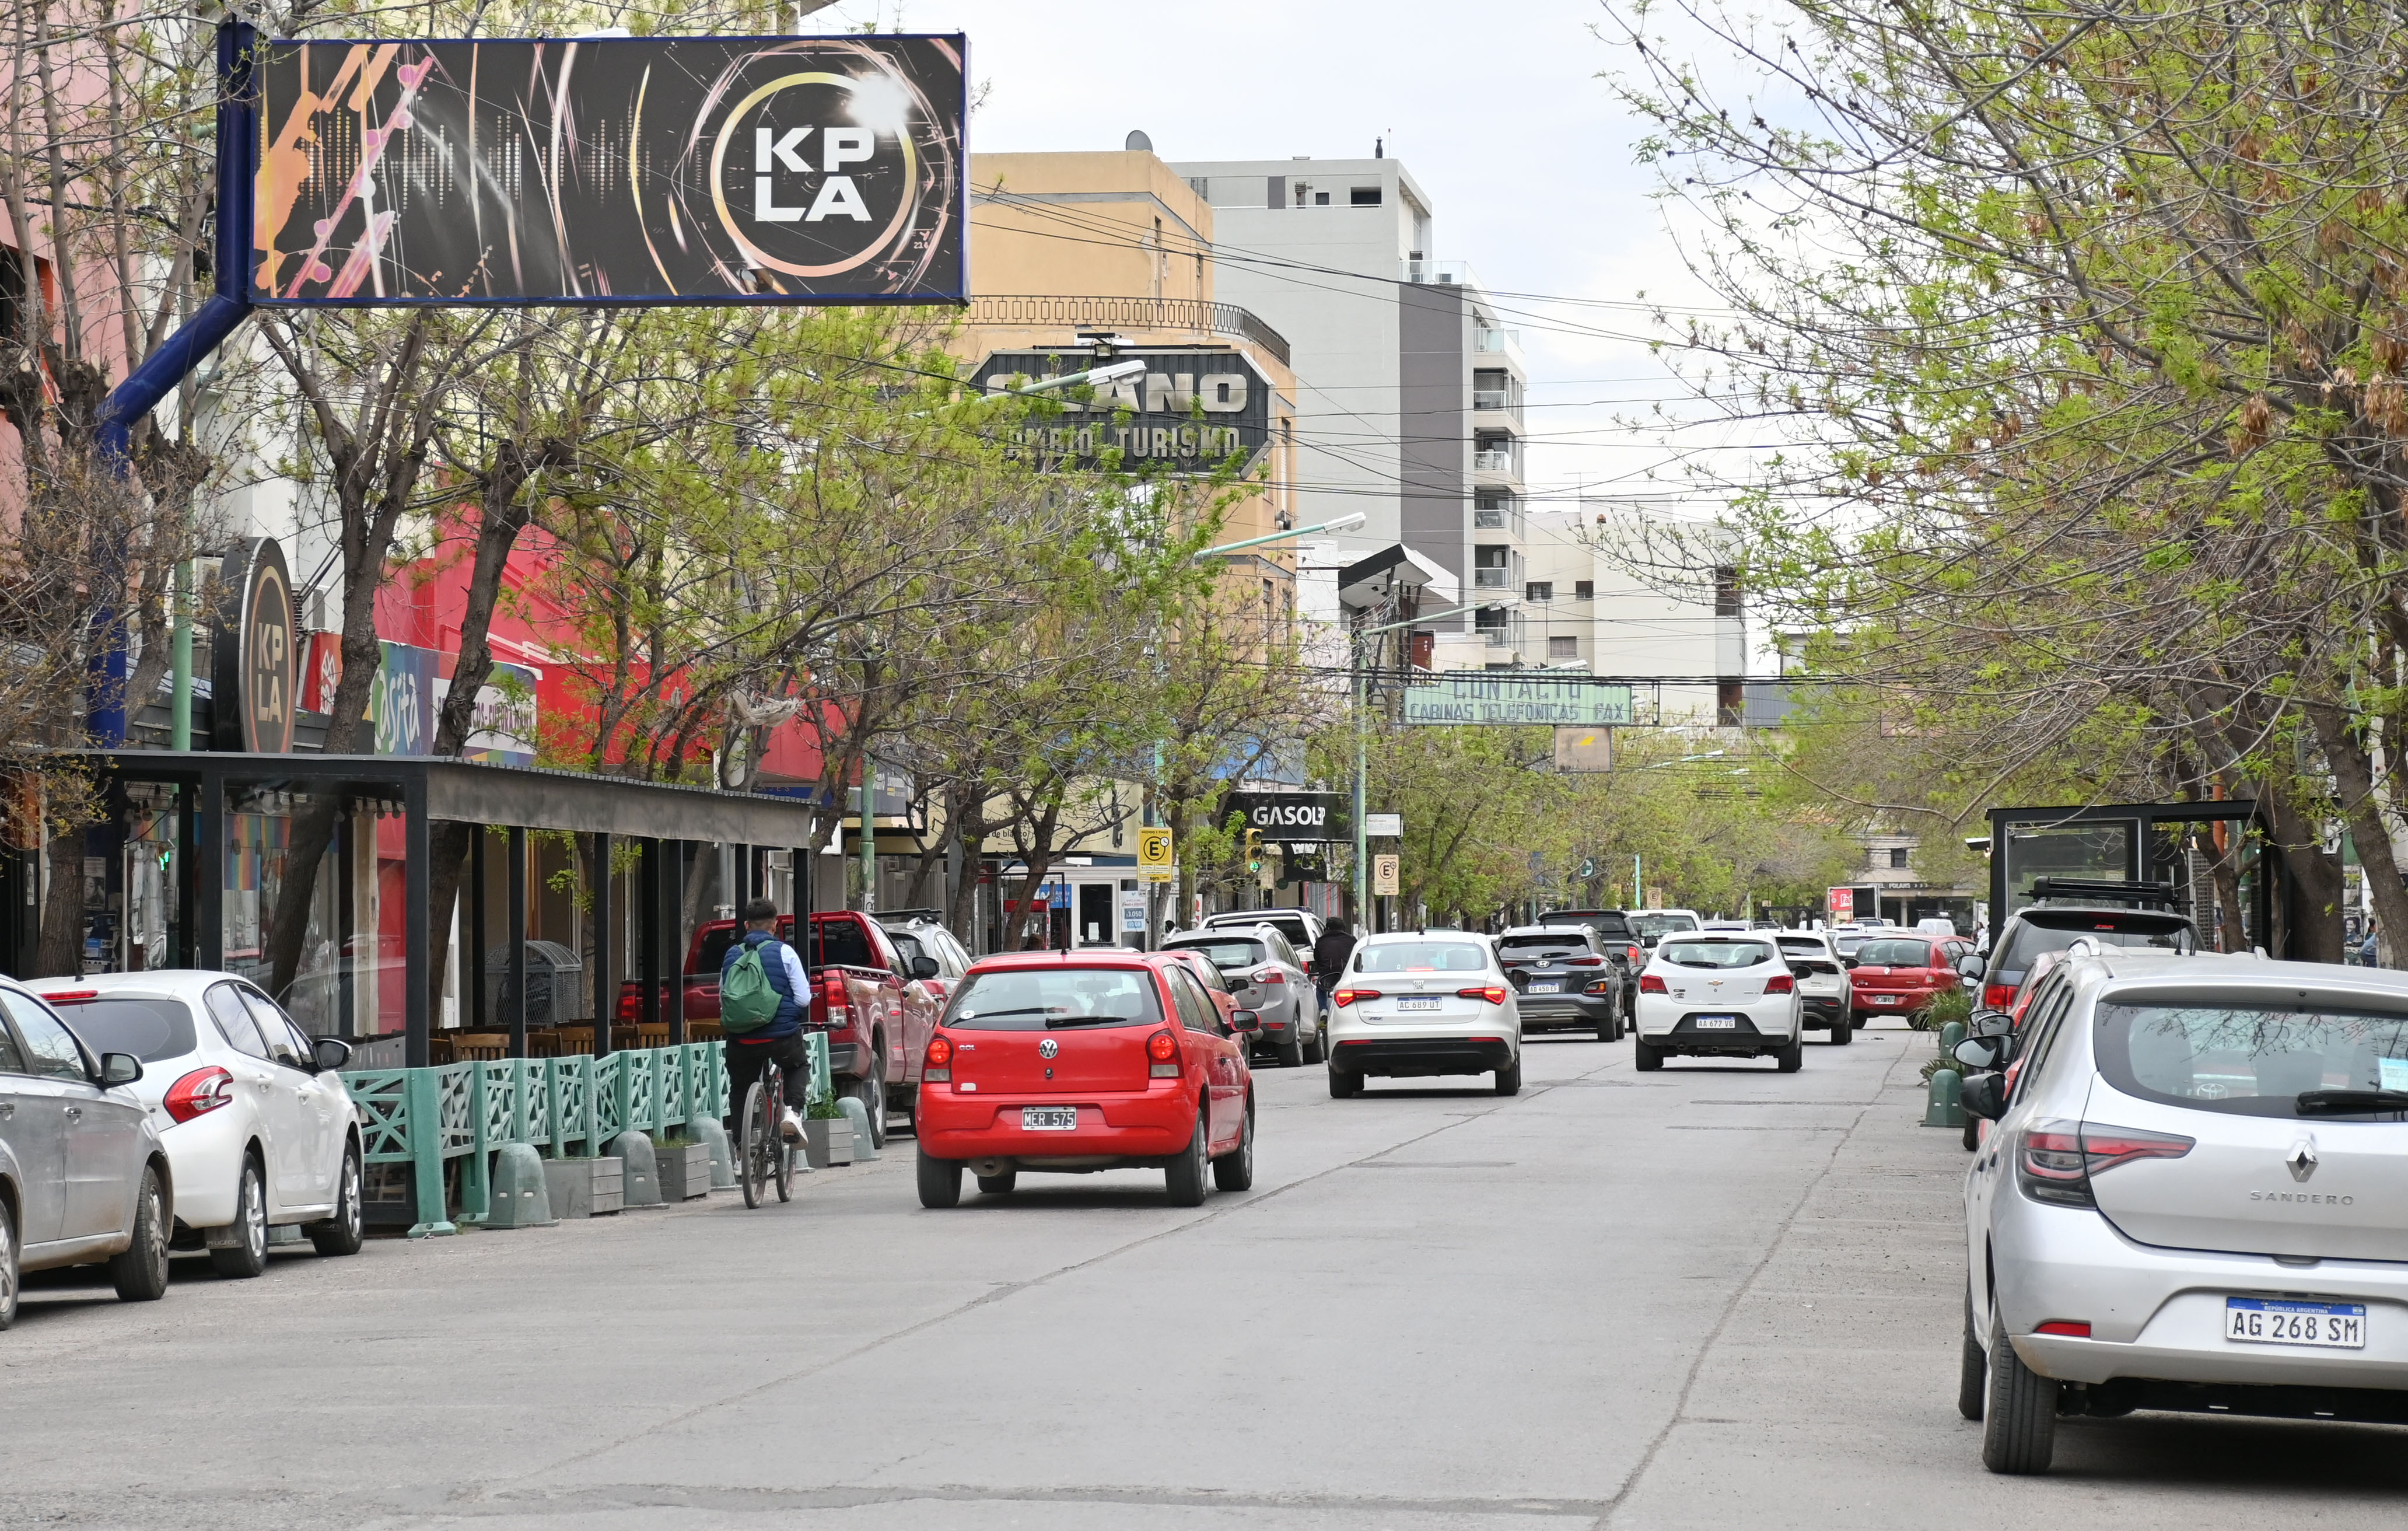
x,y
2035,933
1647,925
2256,1060
1714,953
1542,946
1804,948
150,1030
1608,924
1043,999
1223,954
1421,957
1895,954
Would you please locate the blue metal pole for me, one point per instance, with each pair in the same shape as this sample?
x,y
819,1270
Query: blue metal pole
x,y
177,355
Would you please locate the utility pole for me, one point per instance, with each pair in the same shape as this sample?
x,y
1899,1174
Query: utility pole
x,y
868,834
1362,776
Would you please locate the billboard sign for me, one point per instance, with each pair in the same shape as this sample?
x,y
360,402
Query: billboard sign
x,y
253,650
1297,817
614,170
1502,698
1840,903
1195,408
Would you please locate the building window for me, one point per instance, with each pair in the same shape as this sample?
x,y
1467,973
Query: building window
x,y
1320,199
1898,857
1488,517
1726,592
1365,197
1563,648
1731,702
1201,186
1583,589
1489,619
1539,590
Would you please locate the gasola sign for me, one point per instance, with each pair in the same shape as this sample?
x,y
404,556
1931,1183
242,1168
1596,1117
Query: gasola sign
x,y
1491,697
1193,411
1300,817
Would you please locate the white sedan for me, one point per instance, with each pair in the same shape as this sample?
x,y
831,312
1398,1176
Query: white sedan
x,y
258,1126
1717,994
1427,1003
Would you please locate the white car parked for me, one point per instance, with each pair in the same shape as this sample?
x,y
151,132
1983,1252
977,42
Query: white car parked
x,y
1824,992
2195,1198
1413,1005
258,1126
1718,995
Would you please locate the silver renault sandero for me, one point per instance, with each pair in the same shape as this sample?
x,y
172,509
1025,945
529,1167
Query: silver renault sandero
x,y
2193,1196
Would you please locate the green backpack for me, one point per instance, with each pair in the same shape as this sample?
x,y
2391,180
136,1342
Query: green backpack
x,y
747,999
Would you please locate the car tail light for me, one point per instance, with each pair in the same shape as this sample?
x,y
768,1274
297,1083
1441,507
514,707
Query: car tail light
x,y
1781,983
1652,983
1271,975
72,996
1998,996
1492,994
1344,997
1585,961
938,1068
832,999
1163,1050
2069,1328
1634,956
203,1090
2056,1160
1602,986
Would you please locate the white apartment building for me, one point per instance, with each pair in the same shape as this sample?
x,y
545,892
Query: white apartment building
x,y
1409,392
1612,591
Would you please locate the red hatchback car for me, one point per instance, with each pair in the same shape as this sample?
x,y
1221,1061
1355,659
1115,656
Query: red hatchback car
x,y
1902,974
1084,1060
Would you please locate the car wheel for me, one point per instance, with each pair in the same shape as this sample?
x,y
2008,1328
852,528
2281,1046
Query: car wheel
x,y
140,1272
8,1274
1509,1078
871,1093
1646,1059
2019,1416
1610,1029
1313,1050
1291,1053
1791,1057
340,1233
998,1185
248,1255
1972,1369
940,1181
1183,1177
1234,1170
1343,1086
1841,1034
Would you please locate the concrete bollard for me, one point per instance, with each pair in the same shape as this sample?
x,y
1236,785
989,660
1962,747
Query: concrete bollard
x,y
1943,1106
521,1197
865,1148
1950,1035
642,1170
722,1158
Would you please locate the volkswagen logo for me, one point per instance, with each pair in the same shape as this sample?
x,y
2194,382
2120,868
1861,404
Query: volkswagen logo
x,y
2301,1159
1048,1048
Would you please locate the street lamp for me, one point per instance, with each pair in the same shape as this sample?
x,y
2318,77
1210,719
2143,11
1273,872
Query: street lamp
x,y
1344,523
1109,373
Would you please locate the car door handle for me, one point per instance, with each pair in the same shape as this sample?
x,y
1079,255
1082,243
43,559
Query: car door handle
x,y
75,1113
7,1108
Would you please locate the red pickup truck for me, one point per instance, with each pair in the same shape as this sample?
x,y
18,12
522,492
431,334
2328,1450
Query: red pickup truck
x,y
877,1013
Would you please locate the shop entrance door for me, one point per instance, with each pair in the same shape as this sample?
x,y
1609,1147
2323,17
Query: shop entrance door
x,y
1096,916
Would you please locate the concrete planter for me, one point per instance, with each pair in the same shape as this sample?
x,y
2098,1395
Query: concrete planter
x,y
827,1144
684,1170
584,1188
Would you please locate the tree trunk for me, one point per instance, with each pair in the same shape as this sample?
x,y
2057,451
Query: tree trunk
x,y
2354,779
60,954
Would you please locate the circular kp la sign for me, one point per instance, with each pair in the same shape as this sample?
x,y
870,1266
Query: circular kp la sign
x,y
253,690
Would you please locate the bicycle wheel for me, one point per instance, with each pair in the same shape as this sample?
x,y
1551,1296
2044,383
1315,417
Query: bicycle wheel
x,y
758,1130
774,1113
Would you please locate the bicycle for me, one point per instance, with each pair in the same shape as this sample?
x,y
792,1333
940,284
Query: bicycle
x,y
763,1155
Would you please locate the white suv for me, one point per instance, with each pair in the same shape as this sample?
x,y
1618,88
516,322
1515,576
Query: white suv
x,y
1421,1003
1717,994
2195,1197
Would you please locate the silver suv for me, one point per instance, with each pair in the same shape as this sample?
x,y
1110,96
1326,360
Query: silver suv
x,y
2193,1196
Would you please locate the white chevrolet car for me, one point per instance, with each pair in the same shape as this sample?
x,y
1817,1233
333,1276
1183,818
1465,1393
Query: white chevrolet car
x,y
1411,1005
1718,994
258,1126
2195,1198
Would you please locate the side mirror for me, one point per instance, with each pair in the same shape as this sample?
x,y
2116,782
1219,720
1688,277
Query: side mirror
x,y
1979,1053
1991,1023
925,967
1245,1020
118,1068
330,1052
1801,970
1969,967
1985,1095
1850,963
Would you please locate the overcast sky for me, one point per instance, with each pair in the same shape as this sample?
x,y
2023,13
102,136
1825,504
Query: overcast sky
x,y
1496,110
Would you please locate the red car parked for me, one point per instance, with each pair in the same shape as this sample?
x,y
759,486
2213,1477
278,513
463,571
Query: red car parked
x,y
1901,974
1084,1060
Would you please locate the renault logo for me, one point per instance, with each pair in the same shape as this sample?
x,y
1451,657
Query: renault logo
x,y
2303,1158
1048,1048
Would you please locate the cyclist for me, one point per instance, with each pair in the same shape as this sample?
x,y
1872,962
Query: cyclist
x,y
781,1039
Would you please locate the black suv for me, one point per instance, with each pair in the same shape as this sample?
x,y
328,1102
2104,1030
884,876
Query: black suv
x,y
1620,942
2068,909
1562,977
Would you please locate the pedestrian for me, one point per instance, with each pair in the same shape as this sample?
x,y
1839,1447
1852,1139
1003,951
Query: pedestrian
x,y
778,1038
2368,955
1329,954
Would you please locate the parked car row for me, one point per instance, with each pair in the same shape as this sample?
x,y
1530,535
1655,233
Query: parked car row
x,y
145,1113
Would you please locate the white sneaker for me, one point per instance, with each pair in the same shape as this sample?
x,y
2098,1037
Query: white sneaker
x,y
790,1126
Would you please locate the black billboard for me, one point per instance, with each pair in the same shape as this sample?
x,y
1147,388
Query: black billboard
x,y
1193,410
1293,818
611,170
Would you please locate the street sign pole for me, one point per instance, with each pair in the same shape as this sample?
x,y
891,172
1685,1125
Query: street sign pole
x,y
1362,773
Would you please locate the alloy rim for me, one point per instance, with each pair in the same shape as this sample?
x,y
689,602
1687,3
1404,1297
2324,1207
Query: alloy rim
x,y
7,1265
350,1194
158,1227
254,1216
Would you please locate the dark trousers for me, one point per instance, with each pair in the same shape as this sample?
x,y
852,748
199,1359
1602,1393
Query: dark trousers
x,y
745,1060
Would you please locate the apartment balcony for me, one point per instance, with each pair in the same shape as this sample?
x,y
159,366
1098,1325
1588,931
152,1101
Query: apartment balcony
x,y
1492,579
1504,517
1497,462
1502,343
1441,273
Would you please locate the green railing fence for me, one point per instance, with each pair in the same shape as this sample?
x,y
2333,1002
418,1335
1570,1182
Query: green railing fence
x,y
564,1107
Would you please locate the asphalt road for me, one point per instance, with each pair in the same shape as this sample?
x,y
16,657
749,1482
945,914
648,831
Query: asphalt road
x,y
1712,1297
